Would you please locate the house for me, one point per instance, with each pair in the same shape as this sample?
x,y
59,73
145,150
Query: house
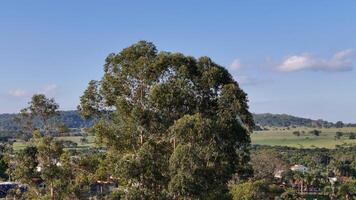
x,y
279,174
300,168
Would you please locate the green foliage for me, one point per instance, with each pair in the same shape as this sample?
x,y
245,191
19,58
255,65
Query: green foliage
x,y
290,195
71,119
315,132
259,189
3,162
173,126
279,137
347,191
43,110
267,163
338,135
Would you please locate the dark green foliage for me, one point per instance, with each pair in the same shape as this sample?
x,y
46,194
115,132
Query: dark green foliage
x,y
347,191
315,132
68,119
174,126
338,135
283,120
296,133
290,195
259,189
3,163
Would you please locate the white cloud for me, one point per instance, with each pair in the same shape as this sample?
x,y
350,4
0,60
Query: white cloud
x,y
49,89
235,65
18,93
250,81
340,61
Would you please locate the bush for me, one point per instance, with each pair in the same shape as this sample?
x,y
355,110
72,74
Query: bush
x,y
296,133
260,189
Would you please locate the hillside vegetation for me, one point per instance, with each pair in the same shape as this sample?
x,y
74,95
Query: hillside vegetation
x,y
72,119
284,120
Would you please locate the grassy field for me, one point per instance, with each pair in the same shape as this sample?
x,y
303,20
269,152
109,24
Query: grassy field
x,y
273,137
285,137
22,144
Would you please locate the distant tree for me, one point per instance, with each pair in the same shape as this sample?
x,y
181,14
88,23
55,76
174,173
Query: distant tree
x,y
266,163
290,194
338,135
63,129
339,124
44,159
258,128
296,133
259,189
84,139
41,109
4,150
69,144
347,191
315,132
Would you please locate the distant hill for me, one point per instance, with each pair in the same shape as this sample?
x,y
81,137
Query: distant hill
x,y
72,119
284,120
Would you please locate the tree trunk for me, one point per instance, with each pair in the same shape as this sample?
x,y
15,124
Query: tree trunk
x,y
174,143
52,191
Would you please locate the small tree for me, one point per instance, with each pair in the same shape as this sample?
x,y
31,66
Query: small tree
x,y
296,133
338,135
347,191
259,189
39,115
290,194
339,124
44,159
315,132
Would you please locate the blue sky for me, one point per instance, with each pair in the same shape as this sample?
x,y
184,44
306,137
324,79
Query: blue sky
x,y
294,57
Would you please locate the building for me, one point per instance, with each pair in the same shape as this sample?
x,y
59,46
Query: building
x,y
299,168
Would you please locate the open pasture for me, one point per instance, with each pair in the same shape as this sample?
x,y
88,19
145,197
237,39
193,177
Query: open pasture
x,y
285,137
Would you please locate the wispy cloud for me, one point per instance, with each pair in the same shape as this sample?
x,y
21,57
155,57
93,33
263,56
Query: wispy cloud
x,y
340,61
21,93
18,93
235,65
250,81
48,89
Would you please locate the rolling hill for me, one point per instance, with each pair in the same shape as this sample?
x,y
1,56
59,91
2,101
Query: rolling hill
x,y
72,119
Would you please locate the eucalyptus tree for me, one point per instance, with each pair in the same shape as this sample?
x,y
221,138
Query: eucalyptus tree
x,y
174,126
39,115
44,159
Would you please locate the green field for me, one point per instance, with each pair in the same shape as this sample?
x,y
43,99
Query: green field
x,y
22,144
273,137
285,137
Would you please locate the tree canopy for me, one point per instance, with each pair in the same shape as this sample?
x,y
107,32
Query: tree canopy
x,y
174,126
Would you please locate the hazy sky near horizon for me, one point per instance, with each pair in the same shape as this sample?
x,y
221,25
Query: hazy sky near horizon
x,y
294,57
